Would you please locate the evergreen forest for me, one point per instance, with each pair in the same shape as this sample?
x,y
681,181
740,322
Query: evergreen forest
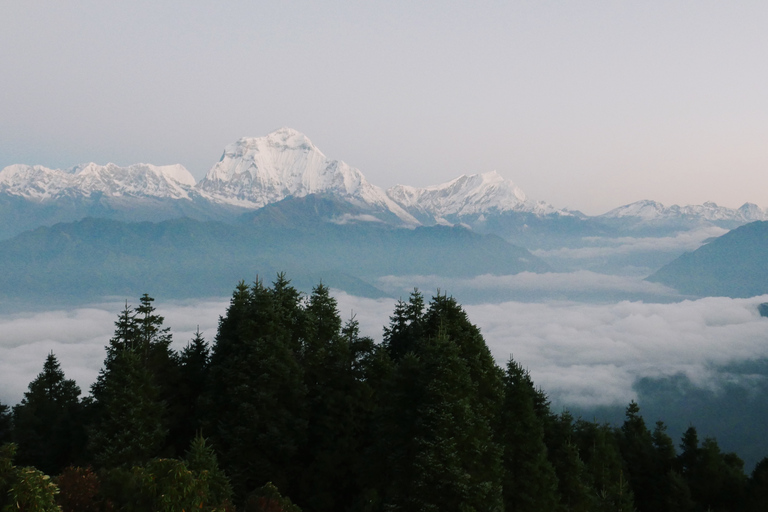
x,y
290,408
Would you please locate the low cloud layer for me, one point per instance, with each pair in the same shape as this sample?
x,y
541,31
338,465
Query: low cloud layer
x,y
602,247
581,354
582,285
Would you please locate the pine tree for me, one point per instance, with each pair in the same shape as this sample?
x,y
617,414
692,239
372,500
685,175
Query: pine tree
x,y
758,488
338,406
193,372
605,468
6,425
140,376
131,427
638,452
563,453
202,462
255,398
530,483
437,417
48,424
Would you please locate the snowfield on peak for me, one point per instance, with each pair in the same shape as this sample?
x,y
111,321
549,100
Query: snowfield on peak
x,y
654,211
257,171
468,195
38,183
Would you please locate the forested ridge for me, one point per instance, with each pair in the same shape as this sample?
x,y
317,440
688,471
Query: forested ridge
x,y
290,408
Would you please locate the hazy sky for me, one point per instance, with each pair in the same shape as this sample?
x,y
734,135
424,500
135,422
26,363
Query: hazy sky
x,y
587,105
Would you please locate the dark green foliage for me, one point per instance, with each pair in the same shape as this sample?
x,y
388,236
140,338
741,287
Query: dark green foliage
x,y
24,488
201,460
599,450
6,425
563,451
339,402
131,427
48,425
435,425
637,449
267,498
256,395
757,500
193,372
529,482
137,397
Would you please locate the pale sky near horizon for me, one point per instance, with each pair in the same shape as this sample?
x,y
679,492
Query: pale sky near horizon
x,y
588,105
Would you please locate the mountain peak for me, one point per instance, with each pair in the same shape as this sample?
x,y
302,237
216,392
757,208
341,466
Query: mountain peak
x,y
469,194
257,171
283,139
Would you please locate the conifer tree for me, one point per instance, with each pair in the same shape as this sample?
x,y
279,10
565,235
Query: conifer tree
x,y
5,423
193,372
758,488
436,422
530,483
637,449
48,426
131,426
255,398
201,460
563,452
607,475
338,406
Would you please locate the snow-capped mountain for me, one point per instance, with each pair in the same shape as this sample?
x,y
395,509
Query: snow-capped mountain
x,y
468,195
38,183
255,172
652,211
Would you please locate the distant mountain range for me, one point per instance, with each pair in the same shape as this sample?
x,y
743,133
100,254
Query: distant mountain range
x,y
256,172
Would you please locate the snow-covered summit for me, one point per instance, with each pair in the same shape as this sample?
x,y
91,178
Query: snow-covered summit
x,y
468,195
38,183
256,171
653,211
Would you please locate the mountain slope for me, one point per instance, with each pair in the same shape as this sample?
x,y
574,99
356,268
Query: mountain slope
x,y
733,265
179,258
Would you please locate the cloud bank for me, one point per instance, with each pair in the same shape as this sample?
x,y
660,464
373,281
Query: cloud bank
x,y
580,354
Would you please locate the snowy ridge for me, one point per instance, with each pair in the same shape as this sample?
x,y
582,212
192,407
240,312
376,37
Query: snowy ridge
x,y
651,211
468,195
254,172
38,183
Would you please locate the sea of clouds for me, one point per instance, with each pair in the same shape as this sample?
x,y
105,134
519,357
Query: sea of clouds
x,y
581,353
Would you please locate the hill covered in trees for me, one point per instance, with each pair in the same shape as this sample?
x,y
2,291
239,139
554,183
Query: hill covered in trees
x,y
183,258
290,400
732,265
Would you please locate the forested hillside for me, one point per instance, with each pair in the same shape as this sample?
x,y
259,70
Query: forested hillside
x,y
290,408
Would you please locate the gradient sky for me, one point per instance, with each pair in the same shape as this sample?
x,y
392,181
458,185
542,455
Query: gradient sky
x,y
587,105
